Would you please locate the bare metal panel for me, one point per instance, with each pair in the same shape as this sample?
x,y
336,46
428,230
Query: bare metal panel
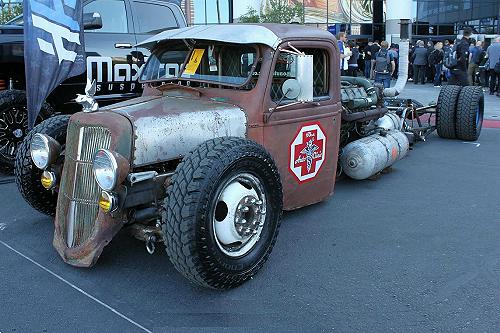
x,y
173,135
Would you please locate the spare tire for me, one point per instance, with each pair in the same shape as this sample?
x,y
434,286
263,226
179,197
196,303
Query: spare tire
x,y
470,112
446,111
28,175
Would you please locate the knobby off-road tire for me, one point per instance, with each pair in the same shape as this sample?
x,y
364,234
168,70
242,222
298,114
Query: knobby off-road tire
x,y
14,123
470,112
446,111
196,202
28,175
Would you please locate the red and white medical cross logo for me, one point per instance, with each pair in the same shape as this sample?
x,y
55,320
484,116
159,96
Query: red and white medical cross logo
x,y
307,152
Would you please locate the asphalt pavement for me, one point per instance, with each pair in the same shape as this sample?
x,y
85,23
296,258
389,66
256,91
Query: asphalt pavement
x,y
417,250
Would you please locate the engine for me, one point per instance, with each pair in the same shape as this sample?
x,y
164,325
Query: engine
x,y
371,139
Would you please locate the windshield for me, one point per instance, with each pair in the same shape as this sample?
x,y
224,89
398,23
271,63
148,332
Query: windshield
x,y
16,21
220,63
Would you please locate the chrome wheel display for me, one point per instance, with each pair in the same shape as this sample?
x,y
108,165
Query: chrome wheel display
x,y
239,214
13,128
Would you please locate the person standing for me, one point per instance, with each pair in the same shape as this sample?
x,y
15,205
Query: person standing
x,y
353,59
384,65
429,70
474,61
493,53
374,50
368,60
459,71
394,51
344,52
419,63
447,49
436,60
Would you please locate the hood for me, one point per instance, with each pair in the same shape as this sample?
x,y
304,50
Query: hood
x,y
167,128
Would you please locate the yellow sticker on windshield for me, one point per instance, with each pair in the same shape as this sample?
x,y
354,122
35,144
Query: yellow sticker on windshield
x,y
194,61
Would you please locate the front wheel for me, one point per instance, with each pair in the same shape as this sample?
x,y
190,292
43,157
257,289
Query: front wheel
x,y
28,175
222,212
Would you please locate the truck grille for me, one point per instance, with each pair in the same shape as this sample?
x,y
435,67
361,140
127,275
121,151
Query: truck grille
x,y
79,187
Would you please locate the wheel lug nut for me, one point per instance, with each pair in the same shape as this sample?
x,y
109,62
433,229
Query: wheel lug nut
x,y
245,209
259,202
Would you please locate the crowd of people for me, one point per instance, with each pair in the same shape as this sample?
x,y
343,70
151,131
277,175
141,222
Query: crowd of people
x,y
462,62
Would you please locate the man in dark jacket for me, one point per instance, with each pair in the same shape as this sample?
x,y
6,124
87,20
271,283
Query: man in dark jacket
x,y
459,72
419,60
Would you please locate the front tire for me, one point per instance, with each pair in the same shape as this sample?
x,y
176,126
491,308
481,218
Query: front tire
x,y
222,212
14,123
28,175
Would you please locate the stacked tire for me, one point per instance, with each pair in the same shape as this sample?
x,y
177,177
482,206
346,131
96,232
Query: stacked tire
x,y
459,112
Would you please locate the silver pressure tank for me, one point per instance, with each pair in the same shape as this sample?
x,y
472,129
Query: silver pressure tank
x,y
365,157
390,121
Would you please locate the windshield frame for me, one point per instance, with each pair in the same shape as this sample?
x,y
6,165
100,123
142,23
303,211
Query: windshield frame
x,y
191,46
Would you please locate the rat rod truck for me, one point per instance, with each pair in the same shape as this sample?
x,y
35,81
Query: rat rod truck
x,y
236,124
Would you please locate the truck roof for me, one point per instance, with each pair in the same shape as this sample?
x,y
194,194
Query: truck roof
x,y
268,34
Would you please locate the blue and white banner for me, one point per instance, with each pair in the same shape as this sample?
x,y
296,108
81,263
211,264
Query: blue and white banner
x,y
53,48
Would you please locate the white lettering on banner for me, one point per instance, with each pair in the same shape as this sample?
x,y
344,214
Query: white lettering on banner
x,y
58,33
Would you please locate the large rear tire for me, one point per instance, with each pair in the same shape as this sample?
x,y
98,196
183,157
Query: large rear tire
x,y
446,111
14,123
28,175
222,212
470,112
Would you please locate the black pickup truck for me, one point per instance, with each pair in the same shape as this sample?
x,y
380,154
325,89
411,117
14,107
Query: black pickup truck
x,y
112,29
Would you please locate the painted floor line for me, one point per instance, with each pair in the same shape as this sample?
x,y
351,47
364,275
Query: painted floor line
x,y
76,288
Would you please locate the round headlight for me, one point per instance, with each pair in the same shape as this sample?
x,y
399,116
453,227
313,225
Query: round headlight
x,y
40,151
105,169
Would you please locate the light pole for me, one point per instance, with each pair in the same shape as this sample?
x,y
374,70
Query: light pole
x,y
218,11
350,17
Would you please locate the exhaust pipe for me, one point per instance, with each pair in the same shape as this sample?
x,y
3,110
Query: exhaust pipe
x,y
404,49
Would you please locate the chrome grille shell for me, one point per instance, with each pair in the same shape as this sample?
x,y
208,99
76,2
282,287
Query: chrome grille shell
x,y
81,229
81,189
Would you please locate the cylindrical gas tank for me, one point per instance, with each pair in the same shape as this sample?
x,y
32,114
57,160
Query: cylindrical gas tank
x,y
390,121
365,157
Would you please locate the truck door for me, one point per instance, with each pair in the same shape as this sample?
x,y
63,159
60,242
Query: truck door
x,y
151,18
111,59
303,138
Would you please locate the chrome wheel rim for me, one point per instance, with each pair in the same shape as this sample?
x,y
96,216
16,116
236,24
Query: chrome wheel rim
x,y
239,214
13,128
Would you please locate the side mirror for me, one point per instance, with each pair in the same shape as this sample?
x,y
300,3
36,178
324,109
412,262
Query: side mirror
x,y
92,21
291,89
305,78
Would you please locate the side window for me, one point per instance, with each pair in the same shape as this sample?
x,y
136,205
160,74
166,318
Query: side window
x,y
286,69
113,14
151,18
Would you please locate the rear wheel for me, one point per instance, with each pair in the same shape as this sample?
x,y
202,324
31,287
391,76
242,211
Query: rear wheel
x,y
28,175
14,123
222,212
446,110
470,112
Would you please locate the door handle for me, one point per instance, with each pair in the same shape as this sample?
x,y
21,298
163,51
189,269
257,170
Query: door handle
x,y
123,46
